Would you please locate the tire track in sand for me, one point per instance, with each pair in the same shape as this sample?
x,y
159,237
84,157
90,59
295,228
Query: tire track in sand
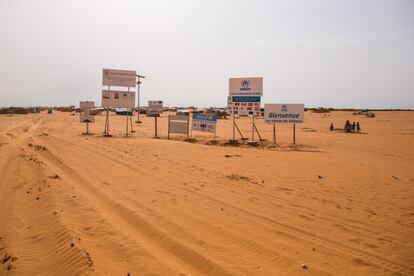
x,y
156,242
380,262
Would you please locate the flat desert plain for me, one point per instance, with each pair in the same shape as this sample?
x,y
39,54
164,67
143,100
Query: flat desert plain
x,y
334,204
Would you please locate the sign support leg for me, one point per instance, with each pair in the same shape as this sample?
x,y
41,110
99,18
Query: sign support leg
x,y
127,123
190,129
138,121
274,134
130,121
156,127
294,133
87,128
168,137
106,132
234,127
253,128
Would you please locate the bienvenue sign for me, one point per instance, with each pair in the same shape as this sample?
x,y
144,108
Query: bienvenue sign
x,y
284,113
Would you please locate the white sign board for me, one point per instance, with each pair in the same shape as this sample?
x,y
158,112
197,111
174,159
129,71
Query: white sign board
x,y
284,113
178,124
86,117
202,122
244,105
118,99
124,78
246,86
86,105
154,108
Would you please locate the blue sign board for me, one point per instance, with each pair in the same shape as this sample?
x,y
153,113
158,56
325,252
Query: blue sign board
x,y
204,117
246,99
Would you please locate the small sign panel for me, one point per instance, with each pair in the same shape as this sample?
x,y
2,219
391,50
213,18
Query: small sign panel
x,y
246,86
118,99
284,113
124,78
154,108
178,124
202,122
87,117
87,105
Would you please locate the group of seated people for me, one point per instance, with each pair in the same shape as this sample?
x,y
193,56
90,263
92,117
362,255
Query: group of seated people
x,y
354,127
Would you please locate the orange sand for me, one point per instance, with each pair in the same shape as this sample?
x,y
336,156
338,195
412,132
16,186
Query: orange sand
x,y
339,204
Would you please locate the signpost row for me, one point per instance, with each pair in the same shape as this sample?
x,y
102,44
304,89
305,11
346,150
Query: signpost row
x,y
244,99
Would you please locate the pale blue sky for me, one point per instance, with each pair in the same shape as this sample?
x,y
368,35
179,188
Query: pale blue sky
x,y
351,53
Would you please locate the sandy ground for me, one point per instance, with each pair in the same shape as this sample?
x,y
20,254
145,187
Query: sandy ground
x,y
335,204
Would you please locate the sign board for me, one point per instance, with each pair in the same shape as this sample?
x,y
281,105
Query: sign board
x,y
87,105
154,108
118,99
202,122
246,86
284,113
244,105
246,99
178,124
87,117
124,78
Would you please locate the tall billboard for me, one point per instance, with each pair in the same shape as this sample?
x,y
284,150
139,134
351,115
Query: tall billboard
x,y
284,113
124,78
246,86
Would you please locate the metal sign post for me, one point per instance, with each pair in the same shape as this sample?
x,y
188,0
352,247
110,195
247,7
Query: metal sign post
x,y
139,95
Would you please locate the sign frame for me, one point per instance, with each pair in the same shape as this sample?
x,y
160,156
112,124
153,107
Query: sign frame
x,y
284,113
115,77
249,86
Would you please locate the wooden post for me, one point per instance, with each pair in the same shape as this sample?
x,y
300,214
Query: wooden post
x,y
215,131
188,127
252,127
156,126
294,133
127,123
234,126
168,137
130,121
87,128
274,134
106,132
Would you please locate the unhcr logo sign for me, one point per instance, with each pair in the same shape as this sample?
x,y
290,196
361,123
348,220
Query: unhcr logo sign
x,y
245,85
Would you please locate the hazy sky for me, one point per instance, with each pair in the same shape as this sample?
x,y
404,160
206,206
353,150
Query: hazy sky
x,y
350,53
